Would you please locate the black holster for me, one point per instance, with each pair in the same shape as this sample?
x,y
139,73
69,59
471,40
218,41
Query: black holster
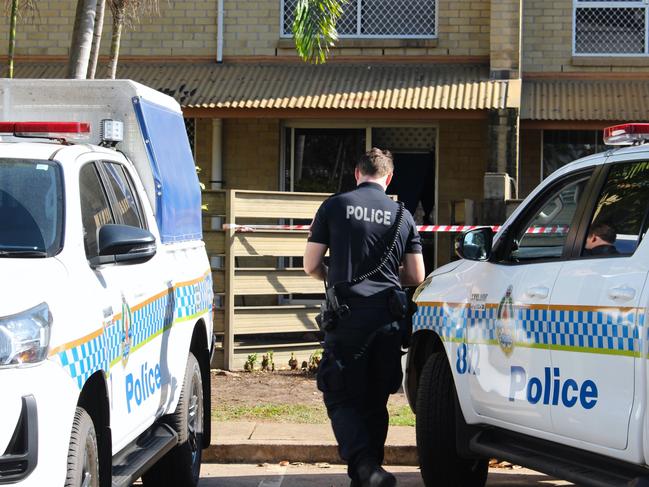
x,y
332,310
405,324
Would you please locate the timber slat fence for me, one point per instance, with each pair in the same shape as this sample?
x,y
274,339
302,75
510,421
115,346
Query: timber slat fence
x,y
265,302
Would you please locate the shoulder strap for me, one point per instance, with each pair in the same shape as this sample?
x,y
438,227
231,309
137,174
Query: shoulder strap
x,y
386,255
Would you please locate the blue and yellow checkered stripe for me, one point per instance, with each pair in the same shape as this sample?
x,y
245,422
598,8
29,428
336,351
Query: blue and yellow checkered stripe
x,y
103,349
593,330
84,360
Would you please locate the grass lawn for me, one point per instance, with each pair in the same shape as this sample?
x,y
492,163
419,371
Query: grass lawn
x,y
298,413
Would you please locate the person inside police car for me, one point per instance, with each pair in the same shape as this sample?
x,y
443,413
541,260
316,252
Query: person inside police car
x,y
374,250
601,240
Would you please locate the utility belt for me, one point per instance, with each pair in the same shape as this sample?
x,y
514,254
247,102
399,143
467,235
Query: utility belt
x,y
337,308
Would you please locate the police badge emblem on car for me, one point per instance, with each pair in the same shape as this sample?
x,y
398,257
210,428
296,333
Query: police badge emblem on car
x,y
505,324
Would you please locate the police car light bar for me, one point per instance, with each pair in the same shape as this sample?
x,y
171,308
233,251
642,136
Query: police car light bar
x,y
50,130
627,134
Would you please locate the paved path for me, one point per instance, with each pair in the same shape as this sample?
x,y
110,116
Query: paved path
x,y
247,442
243,431
247,454
238,475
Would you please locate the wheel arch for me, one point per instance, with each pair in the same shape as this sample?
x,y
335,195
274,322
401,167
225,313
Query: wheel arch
x,y
423,344
200,349
94,399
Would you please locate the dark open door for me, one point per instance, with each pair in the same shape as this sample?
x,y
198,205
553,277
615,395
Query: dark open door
x,y
414,182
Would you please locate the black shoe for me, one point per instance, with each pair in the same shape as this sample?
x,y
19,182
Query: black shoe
x,y
377,477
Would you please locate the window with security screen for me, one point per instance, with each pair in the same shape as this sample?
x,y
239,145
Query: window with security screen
x,y
607,27
381,19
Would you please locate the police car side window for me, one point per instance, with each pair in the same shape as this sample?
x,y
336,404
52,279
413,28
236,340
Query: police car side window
x,y
543,234
619,218
127,206
95,210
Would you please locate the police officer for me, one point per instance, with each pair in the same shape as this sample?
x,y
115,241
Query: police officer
x,y
361,364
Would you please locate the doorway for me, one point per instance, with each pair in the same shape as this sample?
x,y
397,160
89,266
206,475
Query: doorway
x,y
321,158
414,185
413,150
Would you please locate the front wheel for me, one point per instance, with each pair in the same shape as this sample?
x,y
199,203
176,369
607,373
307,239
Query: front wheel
x,y
181,466
441,466
83,453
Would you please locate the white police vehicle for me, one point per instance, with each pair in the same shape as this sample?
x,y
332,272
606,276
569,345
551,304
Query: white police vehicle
x,y
533,347
106,293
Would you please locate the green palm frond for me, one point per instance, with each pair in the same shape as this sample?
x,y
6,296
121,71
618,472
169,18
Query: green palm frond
x,y
314,28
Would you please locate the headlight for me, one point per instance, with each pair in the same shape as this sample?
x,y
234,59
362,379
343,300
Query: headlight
x,y
421,287
25,337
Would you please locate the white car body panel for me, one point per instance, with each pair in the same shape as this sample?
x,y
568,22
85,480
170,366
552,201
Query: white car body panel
x,y
132,323
584,387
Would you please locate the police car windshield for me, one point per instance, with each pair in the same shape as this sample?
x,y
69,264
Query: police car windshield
x,y
31,208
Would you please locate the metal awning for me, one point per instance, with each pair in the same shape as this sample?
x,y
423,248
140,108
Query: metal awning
x,y
582,100
333,86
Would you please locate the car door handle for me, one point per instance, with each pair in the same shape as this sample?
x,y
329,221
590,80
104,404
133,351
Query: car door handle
x,y
622,293
539,292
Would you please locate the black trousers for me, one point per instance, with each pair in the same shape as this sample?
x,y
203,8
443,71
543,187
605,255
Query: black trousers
x,y
360,368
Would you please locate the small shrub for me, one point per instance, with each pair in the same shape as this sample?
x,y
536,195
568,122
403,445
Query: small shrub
x,y
249,366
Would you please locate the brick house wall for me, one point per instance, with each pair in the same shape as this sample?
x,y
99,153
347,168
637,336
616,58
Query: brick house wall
x,y
251,28
184,28
462,144
203,147
547,42
251,154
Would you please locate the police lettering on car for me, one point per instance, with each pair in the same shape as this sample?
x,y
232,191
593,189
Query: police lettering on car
x,y
374,249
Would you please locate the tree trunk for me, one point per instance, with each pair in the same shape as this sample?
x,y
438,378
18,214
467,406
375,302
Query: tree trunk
x,y
12,36
96,38
84,23
118,23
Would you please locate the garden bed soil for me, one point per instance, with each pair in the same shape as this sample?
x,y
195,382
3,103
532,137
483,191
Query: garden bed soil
x,y
279,388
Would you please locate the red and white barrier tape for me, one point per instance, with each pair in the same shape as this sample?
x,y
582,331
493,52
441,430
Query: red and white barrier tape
x,y
421,228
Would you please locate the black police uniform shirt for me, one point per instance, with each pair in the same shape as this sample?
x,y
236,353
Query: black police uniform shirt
x,y
358,226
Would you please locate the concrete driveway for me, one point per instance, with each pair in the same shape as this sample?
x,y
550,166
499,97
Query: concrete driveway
x,y
237,475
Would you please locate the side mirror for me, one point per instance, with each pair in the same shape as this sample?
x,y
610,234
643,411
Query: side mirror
x,y
475,244
123,243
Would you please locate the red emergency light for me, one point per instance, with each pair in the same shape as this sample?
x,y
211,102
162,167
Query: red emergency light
x,y
627,134
49,130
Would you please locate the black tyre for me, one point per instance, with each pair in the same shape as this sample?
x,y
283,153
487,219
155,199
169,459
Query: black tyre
x,y
441,466
83,453
181,466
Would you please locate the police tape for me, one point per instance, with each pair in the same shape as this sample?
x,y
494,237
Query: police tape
x,y
536,230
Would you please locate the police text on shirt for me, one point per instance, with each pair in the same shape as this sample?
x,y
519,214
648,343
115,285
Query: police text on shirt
x,y
369,215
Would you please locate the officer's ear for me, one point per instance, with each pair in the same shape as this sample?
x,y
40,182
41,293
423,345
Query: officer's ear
x,y
357,174
388,179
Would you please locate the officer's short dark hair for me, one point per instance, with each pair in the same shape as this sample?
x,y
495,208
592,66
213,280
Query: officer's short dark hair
x,y
603,231
376,162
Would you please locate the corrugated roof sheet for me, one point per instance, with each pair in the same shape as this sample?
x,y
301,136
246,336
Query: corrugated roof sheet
x,y
302,86
585,100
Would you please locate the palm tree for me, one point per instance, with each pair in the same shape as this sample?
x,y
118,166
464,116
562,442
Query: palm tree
x,y
96,38
124,12
84,25
314,28
18,7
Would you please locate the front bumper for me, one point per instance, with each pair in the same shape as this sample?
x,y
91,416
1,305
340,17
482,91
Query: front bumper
x,y
36,410
21,456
